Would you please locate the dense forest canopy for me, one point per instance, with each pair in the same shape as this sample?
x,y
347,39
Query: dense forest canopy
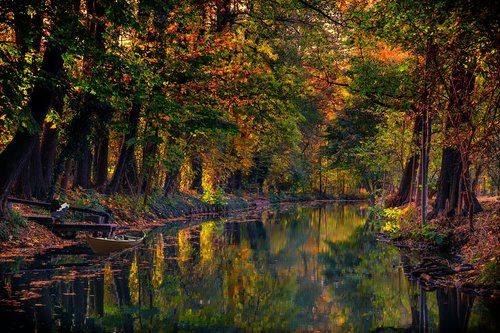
x,y
145,97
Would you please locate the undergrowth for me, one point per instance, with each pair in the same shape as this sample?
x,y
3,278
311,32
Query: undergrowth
x,y
491,272
401,223
13,226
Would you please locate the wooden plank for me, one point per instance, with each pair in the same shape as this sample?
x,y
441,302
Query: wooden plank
x,y
83,227
29,202
42,219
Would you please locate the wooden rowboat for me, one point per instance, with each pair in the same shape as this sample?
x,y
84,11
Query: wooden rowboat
x,y
105,246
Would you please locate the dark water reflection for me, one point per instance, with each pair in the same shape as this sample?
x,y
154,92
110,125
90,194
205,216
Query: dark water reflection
x,y
301,269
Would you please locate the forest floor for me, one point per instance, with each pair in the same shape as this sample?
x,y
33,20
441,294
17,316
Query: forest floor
x,y
453,255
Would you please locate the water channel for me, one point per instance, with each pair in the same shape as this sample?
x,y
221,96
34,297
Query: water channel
x,y
309,268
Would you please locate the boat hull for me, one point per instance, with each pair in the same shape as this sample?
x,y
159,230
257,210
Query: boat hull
x,y
105,246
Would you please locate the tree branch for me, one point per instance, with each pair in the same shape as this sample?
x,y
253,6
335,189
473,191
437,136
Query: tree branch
x,y
321,12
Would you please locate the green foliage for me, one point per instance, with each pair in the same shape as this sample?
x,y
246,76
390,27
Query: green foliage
x,y
491,272
85,198
393,217
431,234
276,96
390,220
13,226
213,197
376,211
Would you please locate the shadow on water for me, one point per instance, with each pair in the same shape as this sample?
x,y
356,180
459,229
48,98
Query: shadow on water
x,y
300,269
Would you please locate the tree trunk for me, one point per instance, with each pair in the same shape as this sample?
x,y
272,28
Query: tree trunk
x,y
82,169
425,152
172,182
235,181
22,187
104,114
126,156
48,153
101,162
91,104
36,174
407,183
477,176
451,185
15,155
32,181
448,183
65,176
197,165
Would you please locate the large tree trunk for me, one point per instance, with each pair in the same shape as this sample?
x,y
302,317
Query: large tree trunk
x,y
78,146
148,165
34,179
90,105
105,113
83,169
66,175
197,165
454,164
49,144
235,181
17,152
126,160
36,175
101,162
407,184
449,181
173,176
172,182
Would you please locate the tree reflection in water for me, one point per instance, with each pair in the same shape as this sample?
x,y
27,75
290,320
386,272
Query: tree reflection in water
x,y
299,269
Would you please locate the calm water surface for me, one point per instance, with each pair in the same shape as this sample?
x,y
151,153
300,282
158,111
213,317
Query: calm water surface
x,y
284,270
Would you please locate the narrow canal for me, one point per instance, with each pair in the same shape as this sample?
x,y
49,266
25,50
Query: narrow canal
x,y
298,269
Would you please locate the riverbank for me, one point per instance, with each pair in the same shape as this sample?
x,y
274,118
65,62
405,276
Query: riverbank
x,y
20,237
450,253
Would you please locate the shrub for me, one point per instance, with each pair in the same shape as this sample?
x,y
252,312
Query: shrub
x,y
491,272
214,197
393,218
429,232
13,226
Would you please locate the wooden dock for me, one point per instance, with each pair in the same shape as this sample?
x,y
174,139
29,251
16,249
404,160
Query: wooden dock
x,y
99,220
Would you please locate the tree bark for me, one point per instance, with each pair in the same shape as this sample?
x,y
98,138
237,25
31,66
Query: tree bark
x,y
126,156
83,168
235,182
104,114
34,179
36,175
172,182
101,162
65,176
407,184
16,154
451,186
197,165
448,183
48,153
